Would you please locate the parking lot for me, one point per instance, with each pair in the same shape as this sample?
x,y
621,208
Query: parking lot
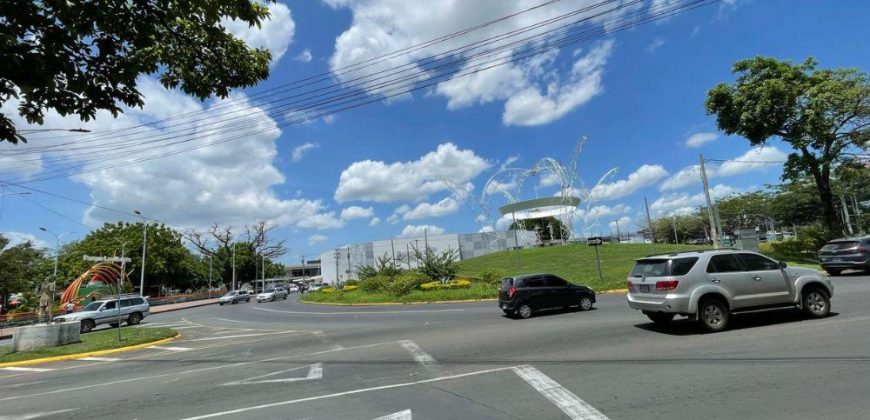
x,y
285,359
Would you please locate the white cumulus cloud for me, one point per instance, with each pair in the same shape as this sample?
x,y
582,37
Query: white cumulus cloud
x,y
643,177
415,231
275,33
299,151
699,139
316,238
357,212
429,210
755,159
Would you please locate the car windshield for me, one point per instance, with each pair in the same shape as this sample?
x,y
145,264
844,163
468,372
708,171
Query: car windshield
x,y
93,306
231,294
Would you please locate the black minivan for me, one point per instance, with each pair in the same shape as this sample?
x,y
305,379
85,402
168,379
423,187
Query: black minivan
x,y
521,296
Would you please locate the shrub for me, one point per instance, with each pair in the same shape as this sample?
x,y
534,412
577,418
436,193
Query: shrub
x,y
349,288
376,284
404,283
491,275
437,266
351,283
804,248
455,284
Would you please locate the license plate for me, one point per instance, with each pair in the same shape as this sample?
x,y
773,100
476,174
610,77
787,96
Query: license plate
x,y
644,288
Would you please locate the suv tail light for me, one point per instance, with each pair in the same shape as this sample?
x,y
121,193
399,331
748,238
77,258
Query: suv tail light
x,y
861,250
664,286
631,288
511,292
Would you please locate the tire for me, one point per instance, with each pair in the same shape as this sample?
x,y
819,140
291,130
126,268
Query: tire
x,y
134,318
524,311
508,313
87,325
713,315
221,303
248,300
833,272
660,318
815,302
585,303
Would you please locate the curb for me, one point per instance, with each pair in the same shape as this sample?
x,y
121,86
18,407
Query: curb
x,y
88,354
178,309
612,291
397,303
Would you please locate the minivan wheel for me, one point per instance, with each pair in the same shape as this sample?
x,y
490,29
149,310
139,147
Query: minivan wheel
x,y
134,318
87,325
585,303
713,315
524,311
816,303
660,318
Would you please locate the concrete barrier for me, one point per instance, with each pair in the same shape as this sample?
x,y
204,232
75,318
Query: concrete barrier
x,y
46,335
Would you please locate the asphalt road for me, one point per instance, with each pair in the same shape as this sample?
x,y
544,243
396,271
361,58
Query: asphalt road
x,y
462,361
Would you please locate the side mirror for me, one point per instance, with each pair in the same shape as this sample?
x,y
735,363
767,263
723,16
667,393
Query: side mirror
x,y
102,309
782,265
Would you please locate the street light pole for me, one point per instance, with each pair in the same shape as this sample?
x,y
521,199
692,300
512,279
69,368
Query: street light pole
x,y
234,265
56,246
123,273
144,242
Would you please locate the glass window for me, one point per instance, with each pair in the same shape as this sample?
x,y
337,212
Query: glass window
x,y
681,266
724,263
553,281
535,282
110,305
125,303
93,306
507,283
755,262
650,268
137,301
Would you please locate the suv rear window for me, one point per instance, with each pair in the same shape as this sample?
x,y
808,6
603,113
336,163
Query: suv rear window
x,y
650,268
834,246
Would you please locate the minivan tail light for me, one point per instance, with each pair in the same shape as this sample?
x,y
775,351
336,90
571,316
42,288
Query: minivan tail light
x,y
664,286
511,292
631,287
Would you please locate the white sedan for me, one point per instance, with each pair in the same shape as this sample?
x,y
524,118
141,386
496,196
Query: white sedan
x,y
271,295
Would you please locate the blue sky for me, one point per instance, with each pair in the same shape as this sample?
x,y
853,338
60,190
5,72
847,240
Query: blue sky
x,y
637,95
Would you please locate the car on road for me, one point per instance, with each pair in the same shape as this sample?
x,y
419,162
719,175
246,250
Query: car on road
x,y
234,296
272,295
134,309
711,285
313,287
293,288
522,296
845,254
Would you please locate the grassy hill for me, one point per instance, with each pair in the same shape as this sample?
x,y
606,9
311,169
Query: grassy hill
x,y
576,263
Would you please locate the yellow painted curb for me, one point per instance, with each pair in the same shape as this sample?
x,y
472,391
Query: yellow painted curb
x,y
88,354
397,303
613,291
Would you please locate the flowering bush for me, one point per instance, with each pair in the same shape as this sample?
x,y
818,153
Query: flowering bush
x,y
455,284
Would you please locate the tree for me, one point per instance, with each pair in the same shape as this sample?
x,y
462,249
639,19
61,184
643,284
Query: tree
x,y
218,243
19,268
823,114
543,226
83,56
437,266
745,210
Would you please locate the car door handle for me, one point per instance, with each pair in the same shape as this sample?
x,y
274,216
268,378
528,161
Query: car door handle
x,y
756,278
715,280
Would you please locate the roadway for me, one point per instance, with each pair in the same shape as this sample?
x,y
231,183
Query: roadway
x,y
296,361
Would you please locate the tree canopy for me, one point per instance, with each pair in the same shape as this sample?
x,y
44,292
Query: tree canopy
x,y
82,56
19,267
823,114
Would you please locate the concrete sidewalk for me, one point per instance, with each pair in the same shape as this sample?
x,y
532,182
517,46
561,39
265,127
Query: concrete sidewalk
x,y
7,332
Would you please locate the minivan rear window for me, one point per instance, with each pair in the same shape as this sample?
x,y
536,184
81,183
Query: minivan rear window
x,y
650,268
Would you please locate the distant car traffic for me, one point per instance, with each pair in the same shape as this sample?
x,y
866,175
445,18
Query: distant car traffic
x,y
134,309
272,295
314,287
293,288
844,254
235,296
709,286
522,296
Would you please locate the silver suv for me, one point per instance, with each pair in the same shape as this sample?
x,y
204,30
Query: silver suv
x,y
134,308
710,285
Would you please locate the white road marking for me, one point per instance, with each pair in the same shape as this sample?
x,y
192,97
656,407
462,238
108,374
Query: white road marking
x,y
25,369
230,320
226,332
37,415
345,393
100,359
169,348
401,415
186,328
241,336
351,348
360,312
315,371
420,356
569,403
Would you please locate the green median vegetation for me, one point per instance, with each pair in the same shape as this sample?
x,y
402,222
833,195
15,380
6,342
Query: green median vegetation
x,y
479,277
93,341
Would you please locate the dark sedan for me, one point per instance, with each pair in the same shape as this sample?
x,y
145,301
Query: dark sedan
x,y
522,296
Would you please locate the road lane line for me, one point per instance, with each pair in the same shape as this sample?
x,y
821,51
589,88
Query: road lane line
x,y
345,393
569,403
360,312
241,336
315,371
37,415
352,348
169,348
424,359
100,359
230,320
25,369
401,415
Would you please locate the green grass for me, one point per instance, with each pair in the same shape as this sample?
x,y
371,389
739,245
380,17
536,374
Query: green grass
x,y
575,263
93,341
475,291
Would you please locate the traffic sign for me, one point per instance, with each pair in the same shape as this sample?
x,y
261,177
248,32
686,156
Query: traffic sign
x,y
594,241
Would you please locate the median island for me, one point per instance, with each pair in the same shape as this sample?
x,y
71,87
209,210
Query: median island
x,y
104,341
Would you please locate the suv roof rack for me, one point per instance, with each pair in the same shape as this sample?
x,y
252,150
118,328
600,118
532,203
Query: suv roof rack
x,y
689,251
123,296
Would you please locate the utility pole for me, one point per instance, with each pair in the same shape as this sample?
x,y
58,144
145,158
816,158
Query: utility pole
x,y
393,248
408,253
618,233
234,265
714,234
263,259
120,277
303,269
348,263
210,257
652,232
337,253
144,242
846,217
426,238
674,220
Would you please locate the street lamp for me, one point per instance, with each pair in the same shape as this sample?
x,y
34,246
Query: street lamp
x,y
57,246
144,242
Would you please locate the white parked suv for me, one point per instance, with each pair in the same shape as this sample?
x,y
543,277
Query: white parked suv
x,y
134,309
708,286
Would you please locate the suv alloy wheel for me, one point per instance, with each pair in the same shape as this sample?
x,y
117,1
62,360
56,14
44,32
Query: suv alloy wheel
x,y
713,315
